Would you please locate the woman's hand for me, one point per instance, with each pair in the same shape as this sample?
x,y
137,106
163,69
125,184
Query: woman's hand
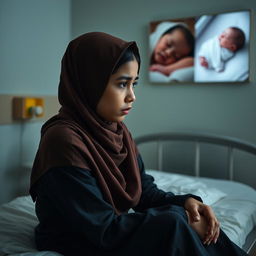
x,y
203,220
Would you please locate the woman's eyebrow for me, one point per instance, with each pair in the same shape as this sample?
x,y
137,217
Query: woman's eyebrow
x,y
124,77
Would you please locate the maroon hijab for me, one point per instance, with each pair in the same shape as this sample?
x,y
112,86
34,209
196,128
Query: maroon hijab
x,y
77,136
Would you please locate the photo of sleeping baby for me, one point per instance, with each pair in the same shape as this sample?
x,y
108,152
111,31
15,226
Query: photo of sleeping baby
x,y
171,51
203,49
222,47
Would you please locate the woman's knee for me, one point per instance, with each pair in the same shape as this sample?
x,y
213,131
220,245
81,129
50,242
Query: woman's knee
x,y
172,219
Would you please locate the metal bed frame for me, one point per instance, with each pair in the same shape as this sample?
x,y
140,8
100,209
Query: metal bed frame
x,y
229,142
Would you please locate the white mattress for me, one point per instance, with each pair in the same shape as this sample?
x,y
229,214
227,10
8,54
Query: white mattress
x,y
17,223
234,204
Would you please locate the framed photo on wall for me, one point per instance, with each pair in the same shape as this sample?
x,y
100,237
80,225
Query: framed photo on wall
x,y
204,49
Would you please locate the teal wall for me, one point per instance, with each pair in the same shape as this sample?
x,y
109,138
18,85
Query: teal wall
x,y
33,37
224,109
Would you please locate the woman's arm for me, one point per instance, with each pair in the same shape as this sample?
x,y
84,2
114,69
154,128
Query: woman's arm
x,y
70,201
152,196
201,217
168,69
203,220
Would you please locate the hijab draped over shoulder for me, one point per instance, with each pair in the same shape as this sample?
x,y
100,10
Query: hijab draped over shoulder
x,y
77,136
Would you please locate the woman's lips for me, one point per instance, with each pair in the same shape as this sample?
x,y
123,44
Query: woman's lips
x,y
125,111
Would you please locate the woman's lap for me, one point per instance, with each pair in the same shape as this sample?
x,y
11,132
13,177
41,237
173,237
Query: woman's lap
x,y
164,231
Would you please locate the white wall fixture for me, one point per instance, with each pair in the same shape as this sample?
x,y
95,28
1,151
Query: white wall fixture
x,y
27,107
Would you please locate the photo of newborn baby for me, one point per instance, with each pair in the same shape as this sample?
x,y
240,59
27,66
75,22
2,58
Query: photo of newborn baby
x,y
219,49
171,55
222,47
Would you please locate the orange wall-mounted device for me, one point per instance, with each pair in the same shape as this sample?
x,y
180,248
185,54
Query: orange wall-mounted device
x,y
27,108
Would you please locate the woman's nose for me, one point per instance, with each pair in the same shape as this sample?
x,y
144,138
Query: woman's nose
x,y
130,97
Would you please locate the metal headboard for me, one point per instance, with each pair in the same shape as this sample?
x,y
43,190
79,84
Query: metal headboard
x,y
229,142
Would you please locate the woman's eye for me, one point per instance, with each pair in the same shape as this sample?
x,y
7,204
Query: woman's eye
x,y
125,84
122,85
134,84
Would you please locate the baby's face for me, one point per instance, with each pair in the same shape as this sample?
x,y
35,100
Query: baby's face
x,y
226,39
171,47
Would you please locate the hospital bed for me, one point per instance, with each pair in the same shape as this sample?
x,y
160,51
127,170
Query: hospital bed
x,y
234,202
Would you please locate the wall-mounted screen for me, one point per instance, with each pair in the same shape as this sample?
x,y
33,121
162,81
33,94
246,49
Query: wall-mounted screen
x,y
203,49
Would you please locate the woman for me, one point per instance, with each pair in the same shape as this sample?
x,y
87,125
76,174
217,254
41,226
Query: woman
x,y
172,49
88,173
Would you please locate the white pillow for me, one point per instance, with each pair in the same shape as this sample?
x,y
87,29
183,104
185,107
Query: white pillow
x,y
182,184
180,75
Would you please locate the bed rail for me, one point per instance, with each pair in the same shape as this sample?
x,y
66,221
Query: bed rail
x,y
229,142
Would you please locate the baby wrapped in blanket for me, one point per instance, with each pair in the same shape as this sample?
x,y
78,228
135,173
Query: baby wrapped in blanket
x,y
219,49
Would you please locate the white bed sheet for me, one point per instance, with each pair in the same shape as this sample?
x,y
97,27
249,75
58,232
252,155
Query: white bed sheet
x,y
234,204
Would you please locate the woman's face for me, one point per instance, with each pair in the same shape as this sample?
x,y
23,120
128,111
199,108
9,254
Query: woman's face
x,y
171,47
118,97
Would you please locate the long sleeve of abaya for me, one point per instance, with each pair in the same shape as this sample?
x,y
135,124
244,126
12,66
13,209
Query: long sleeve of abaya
x,y
152,196
74,219
69,201
72,196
